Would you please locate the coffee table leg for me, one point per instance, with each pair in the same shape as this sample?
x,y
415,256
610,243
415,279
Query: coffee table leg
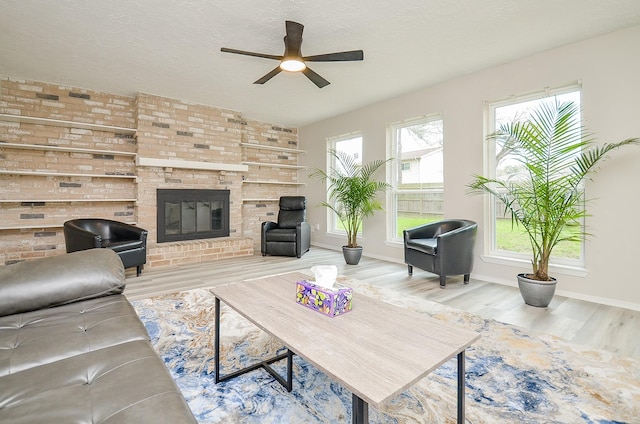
x,y
360,413
461,387
266,364
217,340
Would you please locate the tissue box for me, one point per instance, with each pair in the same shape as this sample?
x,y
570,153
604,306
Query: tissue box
x,y
330,302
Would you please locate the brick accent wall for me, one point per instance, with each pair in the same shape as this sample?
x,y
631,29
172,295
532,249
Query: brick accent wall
x,y
171,129
107,180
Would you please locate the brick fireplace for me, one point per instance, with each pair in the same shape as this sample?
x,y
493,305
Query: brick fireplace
x,y
186,214
176,145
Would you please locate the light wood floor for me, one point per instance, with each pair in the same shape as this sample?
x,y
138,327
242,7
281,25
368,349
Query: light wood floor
x,y
591,324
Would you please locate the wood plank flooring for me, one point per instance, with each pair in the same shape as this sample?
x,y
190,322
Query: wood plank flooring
x,y
586,323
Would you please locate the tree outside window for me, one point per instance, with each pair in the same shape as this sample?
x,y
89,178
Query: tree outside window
x,y
350,144
417,177
507,239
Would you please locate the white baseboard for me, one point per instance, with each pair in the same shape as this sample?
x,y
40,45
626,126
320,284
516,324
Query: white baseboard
x,y
570,294
511,283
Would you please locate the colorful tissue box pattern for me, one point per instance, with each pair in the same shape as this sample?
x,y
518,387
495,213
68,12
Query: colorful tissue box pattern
x,y
329,302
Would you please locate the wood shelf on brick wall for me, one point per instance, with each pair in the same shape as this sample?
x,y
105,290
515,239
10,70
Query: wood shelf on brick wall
x,y
189,164
66,200
272,182
35,226
255,177
67,124
44,147
267,147
275,165
56,204
65,174
259,200
30,227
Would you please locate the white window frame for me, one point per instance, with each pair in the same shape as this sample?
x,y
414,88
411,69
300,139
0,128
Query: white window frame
x,y
393,167
332,219
493,254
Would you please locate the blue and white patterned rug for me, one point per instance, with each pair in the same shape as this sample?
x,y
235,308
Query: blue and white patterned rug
x,y
513,375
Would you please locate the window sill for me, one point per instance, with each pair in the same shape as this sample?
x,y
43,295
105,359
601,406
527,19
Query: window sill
x,y
520,263
394,243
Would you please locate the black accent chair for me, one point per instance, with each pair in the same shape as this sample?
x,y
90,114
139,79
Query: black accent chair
x,y
444,248
291,235
128,241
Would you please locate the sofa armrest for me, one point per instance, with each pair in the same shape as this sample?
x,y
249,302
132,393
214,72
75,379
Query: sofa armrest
x,y
122,231
266,226
58,280
303,235
77,238
458,239
422,231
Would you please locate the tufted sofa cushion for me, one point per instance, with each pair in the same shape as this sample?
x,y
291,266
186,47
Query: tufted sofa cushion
x,y
48,335
73,350
125,383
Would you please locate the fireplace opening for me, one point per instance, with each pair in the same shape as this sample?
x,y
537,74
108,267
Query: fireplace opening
x,y
192,214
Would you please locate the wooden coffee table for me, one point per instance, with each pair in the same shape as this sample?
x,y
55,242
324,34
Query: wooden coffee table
x,y
377,350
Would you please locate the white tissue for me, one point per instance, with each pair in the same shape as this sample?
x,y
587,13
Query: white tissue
x,y
325,275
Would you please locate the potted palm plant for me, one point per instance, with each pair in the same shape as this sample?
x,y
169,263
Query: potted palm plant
x,y
352,196
546,196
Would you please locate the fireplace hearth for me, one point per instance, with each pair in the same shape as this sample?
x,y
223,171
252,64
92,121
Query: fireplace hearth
x,y
191,214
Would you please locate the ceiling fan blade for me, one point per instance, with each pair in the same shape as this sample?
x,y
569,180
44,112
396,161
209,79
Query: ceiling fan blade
x,y
265,56
315,78
293,39
336,57
270,75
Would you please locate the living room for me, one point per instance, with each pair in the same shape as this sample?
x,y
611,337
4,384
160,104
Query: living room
x,y
162,140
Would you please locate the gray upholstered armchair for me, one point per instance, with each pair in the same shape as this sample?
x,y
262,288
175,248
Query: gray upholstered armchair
x,y
128,241
444,248
291,235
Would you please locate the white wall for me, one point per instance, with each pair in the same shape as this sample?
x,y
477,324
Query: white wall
x,y
609,70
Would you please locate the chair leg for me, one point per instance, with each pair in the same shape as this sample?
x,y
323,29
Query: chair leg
x,y
466,278
138,270
410,269
443,281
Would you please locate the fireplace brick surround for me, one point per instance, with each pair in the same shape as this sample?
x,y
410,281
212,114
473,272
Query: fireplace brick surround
x,y
171,144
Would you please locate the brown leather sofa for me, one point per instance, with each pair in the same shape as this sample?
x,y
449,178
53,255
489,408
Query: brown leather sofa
x,y
72,348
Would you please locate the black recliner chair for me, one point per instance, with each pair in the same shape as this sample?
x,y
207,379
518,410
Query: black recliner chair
x,y
444,248
128,241
291,235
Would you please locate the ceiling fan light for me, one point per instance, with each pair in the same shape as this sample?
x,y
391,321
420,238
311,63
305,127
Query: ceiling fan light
x,y
292,65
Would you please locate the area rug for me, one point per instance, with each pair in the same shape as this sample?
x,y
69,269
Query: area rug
x,y
513,375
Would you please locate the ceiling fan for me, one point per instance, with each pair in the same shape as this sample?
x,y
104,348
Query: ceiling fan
x,y
292,59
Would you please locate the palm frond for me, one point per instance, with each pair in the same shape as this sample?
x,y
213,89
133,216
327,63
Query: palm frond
x,y
557,154
352,190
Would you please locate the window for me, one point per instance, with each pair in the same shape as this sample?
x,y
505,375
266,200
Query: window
x,y
352,145
417,179
506,239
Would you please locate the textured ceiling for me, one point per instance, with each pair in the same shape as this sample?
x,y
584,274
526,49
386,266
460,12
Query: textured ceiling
x,y
172,48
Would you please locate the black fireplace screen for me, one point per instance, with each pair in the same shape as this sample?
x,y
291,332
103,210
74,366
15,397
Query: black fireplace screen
x,y
192,214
